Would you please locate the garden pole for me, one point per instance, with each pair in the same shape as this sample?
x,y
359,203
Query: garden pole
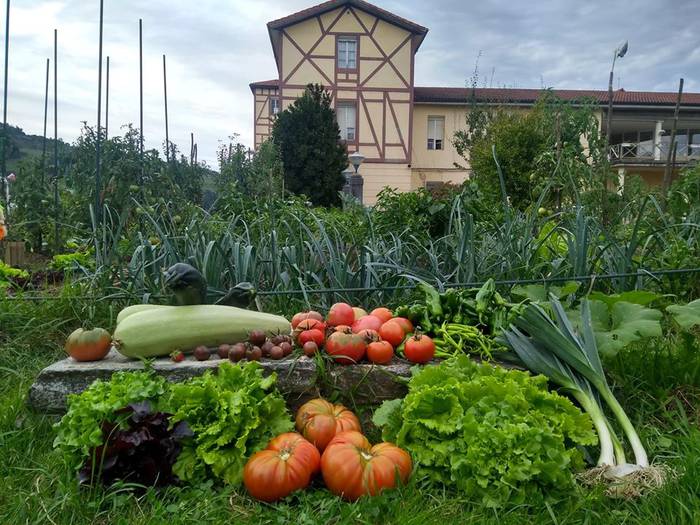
x,y
46,114
3,180
107,101
141,98
57,210
165,93
98,167
668,172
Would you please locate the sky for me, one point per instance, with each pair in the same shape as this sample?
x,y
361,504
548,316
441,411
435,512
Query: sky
x,y
215,48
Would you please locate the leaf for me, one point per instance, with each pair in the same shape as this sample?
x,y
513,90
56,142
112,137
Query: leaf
x,y
623,324
539,293
641,297
687,316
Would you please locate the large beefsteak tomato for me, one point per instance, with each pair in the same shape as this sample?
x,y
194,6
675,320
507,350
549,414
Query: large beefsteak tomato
x,y
319,421
286,465
352,468
346,349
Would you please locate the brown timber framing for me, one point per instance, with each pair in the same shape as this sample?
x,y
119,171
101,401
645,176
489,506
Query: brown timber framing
x,y
374,106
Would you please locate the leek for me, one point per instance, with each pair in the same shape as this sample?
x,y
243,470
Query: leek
x,y
572,361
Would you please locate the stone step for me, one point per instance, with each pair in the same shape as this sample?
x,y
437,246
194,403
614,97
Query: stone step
x,y
298,378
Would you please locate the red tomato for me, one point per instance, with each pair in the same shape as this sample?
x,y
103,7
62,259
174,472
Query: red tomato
x,y
286,465
308,324
383,313
303,316
88,345
391,331
319,421
343,328
311,335
419,349
369,335
347,349
359,312
368,322
405,324
352,468
341,313
380,352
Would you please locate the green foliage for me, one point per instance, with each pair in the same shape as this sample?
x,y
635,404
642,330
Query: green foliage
x,y
33,203
8,274
496,435
687,316
535,149
309,141
71,261
684,194
80,429
233,414
617,324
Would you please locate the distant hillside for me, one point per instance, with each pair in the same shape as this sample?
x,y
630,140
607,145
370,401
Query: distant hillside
x,y
21,145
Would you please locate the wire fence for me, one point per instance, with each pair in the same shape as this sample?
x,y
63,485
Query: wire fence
x,y
641,273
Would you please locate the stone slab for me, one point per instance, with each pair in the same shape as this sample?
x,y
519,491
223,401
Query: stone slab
x,y
297,378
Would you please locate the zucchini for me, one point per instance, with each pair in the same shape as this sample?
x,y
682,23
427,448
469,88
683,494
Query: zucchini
x,y
130,310
158,332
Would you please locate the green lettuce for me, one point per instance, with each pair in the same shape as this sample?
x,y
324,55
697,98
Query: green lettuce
x,y
80,429
232,414
497,435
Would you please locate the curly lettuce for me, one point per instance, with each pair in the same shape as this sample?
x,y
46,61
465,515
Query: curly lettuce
x,y
232,414
497,435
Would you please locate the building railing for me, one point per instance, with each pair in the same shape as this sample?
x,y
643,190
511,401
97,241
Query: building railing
x,y
631,151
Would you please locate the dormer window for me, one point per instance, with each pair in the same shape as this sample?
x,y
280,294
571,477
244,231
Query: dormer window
x,y
347,52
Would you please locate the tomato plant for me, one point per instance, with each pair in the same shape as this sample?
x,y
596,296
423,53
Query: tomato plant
x,y
319,421
419,349
352,468
286,465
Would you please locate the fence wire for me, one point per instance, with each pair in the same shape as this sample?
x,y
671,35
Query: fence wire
x,y
654,274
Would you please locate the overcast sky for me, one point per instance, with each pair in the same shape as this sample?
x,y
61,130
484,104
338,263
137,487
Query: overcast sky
x,y
215,48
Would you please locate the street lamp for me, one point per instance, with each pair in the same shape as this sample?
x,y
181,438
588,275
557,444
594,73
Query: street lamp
x,y
356,181
619,53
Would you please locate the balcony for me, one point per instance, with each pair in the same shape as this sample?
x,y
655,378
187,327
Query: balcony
x,y
646,152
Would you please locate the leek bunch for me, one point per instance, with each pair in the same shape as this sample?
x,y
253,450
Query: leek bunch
x,y
571,360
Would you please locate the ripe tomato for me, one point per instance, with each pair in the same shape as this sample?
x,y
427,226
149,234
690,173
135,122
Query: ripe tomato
x,y
308,324
380,352
286,465
405,324
347,349
311,335
88,345
419,349
368,322
391,331
383,313
303,316
341,313
359,312
352,468
369,335
343,328
319,421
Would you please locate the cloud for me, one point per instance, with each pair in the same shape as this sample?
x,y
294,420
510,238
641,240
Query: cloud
x,y
215,49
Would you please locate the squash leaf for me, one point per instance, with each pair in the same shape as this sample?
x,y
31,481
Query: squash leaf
x,y
687,316
617,324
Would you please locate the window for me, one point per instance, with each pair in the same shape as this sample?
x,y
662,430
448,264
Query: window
x,y
436,131
694,146
274,106
347,53
346,114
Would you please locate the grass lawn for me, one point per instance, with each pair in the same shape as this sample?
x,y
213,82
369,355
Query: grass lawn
x,y
658,387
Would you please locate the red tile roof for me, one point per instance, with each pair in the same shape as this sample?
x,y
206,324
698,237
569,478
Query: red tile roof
x,y
360,4
530,96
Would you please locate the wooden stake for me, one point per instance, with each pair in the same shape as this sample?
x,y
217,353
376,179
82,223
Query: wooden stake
x,y
668,172
107,102
98,152
165,93
3,167
57,210
141,96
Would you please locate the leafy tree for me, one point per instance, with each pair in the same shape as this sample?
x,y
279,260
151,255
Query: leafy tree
x,y
555,144
309,141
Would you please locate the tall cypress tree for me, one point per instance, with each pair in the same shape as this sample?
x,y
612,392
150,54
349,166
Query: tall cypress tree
x,y
309,140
